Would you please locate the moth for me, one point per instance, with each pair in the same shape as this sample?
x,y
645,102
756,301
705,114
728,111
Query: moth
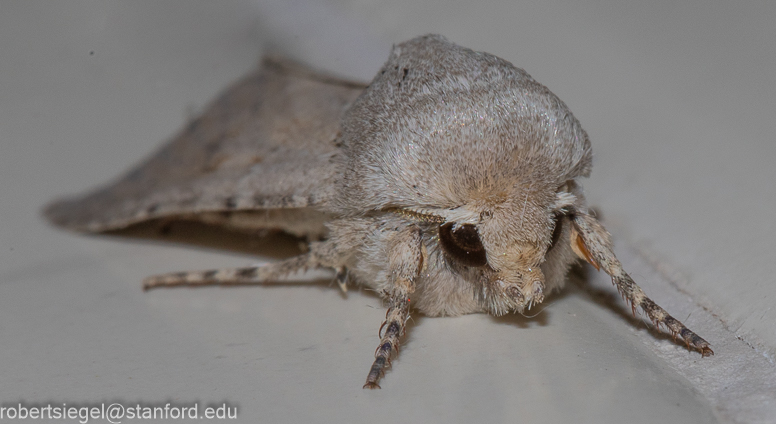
x,y
449,185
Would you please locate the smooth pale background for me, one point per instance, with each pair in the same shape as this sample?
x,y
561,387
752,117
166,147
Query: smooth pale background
x,y
679,102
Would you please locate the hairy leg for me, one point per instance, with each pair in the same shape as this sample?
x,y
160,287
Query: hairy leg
x,y
320,256
395,318
406,258
231,276
592,242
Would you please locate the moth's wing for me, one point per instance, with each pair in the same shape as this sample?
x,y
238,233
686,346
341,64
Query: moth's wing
x,y
264,144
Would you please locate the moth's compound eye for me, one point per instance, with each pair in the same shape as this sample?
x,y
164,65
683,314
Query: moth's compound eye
x,y
558,230
463,244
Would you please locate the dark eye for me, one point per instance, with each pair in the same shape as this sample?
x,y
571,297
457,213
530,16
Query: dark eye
x,y
559,218
463,244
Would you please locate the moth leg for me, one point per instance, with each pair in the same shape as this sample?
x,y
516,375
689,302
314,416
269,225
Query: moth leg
x,y
315,258
342,279
395,319
591,242
406,258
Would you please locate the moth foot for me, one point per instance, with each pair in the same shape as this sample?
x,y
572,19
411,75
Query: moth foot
x,y
395,319
695,342
659,317
702,346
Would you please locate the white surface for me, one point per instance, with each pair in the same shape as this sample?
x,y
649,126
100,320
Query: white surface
x,y
678,99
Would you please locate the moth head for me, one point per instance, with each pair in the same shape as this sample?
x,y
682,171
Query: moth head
x,y
507,242
470,139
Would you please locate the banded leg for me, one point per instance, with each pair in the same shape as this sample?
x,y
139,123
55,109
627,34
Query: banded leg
x,y
406,258
235,276
591,242
395,319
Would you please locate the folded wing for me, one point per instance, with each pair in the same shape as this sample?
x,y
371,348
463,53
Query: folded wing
x,y
264,144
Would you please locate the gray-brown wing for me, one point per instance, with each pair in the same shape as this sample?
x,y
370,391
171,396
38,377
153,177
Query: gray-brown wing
x,y
264,144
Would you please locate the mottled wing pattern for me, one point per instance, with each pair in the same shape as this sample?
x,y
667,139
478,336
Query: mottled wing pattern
x,y
266,143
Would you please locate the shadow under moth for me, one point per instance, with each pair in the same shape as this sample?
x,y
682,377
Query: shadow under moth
x,y
449,185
